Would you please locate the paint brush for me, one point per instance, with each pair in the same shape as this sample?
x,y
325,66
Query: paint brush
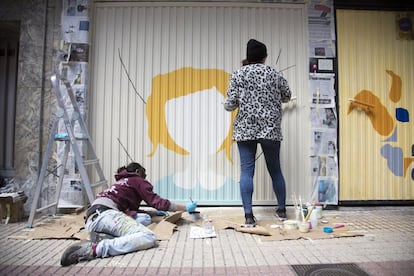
x,y
301,209
125,150
310,209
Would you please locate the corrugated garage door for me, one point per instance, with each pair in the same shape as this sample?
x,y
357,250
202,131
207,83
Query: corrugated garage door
x,y
376,94
159,75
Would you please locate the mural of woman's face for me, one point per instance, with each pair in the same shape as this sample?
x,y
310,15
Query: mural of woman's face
x,y
176,85
177,124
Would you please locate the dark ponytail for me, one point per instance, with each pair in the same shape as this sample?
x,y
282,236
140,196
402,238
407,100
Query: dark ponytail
x,y
136,168
120,169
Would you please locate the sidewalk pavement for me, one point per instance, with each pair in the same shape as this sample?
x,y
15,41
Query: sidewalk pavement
x,y
387,248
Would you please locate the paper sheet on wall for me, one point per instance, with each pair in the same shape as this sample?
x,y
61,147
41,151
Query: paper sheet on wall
x,y
321,28
324,118
323,142
75,72
325,190
75,7
324,166
75,29
322,90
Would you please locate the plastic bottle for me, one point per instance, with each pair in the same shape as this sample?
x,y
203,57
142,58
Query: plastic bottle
x,y
314,219
318,210
298,216
207,225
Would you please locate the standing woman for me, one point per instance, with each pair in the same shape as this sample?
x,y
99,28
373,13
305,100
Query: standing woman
x,y
258,91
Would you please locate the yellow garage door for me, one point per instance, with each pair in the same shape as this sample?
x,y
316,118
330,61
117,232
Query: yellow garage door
x,y
376,97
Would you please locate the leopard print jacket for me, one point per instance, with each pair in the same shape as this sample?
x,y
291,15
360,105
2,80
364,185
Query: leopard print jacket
x,y
257,90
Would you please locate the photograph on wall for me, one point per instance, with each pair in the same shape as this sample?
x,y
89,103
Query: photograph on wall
x,y
79,52
74,52
75,7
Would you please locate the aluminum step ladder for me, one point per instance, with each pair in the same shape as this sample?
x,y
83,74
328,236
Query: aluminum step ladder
x,y
70,144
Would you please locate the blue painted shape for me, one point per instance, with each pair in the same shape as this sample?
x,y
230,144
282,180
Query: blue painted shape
x,y
393,137
166,188
402,115
395,159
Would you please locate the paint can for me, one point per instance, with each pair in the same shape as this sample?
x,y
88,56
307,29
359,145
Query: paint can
x,y
290,224
304,227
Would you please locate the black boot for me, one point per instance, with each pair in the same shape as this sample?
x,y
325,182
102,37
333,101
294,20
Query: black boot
x,y
250,220
281,213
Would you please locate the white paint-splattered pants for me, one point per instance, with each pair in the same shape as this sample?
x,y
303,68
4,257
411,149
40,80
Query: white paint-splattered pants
x,y
129,234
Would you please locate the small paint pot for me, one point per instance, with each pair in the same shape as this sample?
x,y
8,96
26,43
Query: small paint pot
x,y
290,224
304,227
328,229
194,216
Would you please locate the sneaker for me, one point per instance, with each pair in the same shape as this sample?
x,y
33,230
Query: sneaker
x,y
281,213
250,220
81,251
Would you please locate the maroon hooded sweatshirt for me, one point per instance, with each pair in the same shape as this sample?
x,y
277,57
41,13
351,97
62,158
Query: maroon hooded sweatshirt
x,y
130,190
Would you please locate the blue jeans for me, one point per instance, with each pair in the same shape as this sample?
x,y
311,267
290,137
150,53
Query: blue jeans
x,y
143,218
129,234
271,151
